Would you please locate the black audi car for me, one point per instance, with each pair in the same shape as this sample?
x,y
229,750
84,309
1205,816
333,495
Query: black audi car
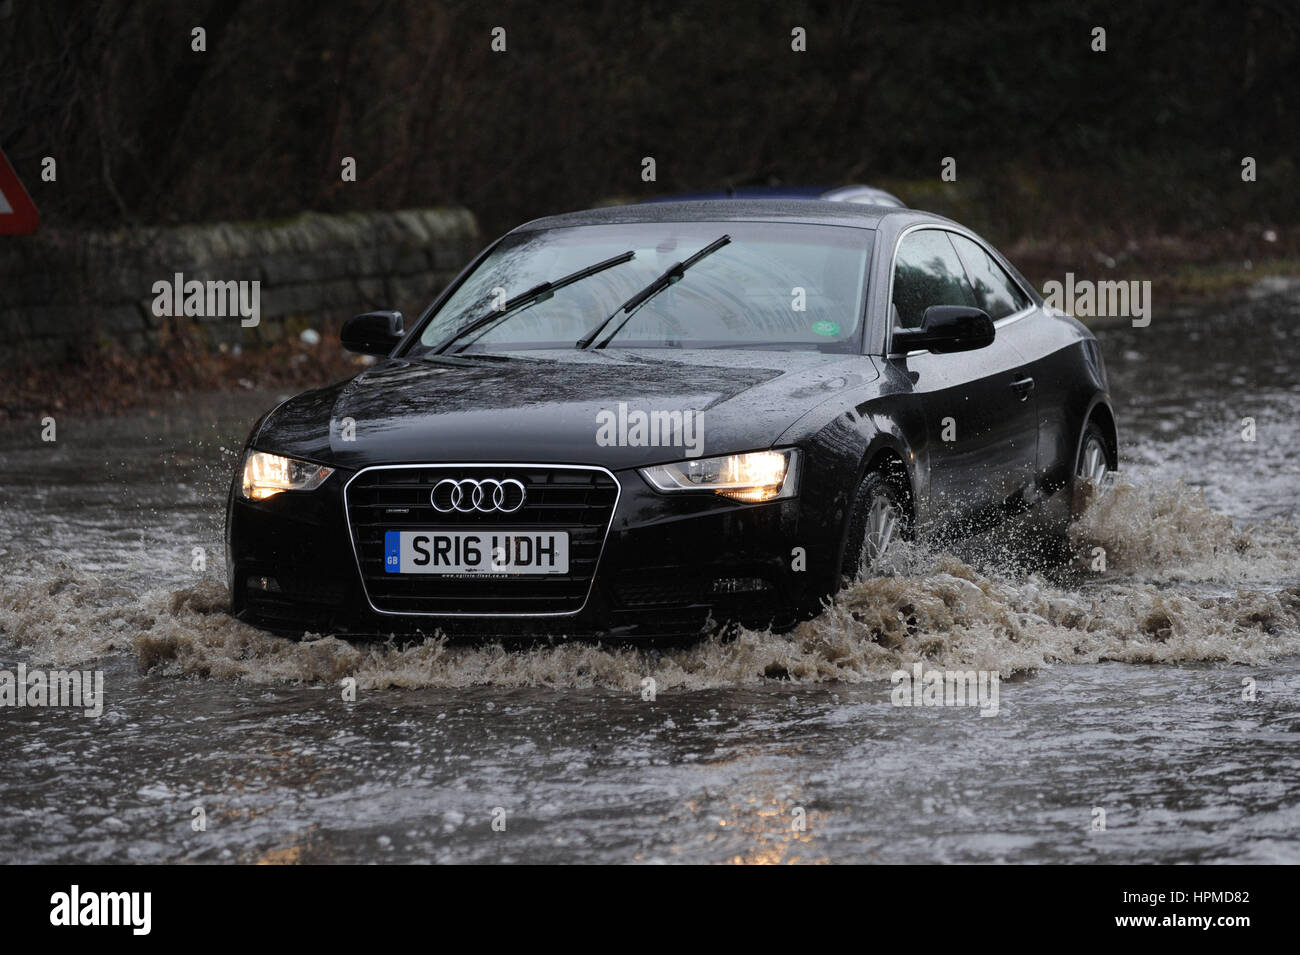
x,y
651,420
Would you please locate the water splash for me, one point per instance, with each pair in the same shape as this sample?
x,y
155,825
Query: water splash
x,y
1183,584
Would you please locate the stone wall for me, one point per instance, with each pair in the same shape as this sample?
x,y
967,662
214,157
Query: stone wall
x,y
65,294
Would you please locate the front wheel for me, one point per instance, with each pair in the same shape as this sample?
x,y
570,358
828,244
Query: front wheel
x,y
880,519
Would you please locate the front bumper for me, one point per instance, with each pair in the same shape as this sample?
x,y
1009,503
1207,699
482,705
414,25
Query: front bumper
x,y
671,566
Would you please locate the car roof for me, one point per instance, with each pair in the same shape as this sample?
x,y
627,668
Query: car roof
x,y
866,195
810,211
746,192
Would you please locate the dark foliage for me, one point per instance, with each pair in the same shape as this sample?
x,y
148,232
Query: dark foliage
x,y
147,131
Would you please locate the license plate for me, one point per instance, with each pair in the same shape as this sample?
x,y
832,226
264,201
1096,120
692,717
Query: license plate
x,y
476,552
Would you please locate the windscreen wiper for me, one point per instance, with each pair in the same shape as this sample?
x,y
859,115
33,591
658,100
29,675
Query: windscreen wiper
x,y
670,276
538,293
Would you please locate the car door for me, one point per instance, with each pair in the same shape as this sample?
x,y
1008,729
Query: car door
x,y
981,422
1018,320
1065,365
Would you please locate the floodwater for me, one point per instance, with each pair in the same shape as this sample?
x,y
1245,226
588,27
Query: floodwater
x,y
1149,712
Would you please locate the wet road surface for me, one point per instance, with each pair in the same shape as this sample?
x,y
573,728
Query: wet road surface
x,y
1162,696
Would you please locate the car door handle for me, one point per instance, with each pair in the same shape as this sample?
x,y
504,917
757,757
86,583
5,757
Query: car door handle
x,y
1023,387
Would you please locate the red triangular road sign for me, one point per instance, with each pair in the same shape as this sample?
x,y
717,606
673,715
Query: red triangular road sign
x,y
18,215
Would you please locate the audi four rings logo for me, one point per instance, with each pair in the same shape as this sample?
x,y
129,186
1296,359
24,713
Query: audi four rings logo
x,y
486,496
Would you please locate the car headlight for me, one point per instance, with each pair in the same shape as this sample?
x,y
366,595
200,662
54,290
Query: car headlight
x,y
266,475
753,477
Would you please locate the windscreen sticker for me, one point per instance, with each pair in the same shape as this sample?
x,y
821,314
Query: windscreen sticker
x,y
826,329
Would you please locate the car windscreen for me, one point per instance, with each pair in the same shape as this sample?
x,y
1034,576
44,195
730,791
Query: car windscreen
x,y
770,285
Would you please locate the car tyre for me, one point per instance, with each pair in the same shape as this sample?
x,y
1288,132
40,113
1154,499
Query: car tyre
x,y
1094,464
880,518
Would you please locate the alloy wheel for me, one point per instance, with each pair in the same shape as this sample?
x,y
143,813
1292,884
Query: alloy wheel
x,y
1093,465
882,524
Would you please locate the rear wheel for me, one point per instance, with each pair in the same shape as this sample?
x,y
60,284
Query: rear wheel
x,y
880,519
1094,460
1093,466
1091,477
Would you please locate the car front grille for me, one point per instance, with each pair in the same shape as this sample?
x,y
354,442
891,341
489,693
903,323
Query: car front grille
x,y
578,501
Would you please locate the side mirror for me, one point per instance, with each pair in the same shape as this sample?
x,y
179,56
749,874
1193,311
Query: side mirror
x,y
946,328
374,333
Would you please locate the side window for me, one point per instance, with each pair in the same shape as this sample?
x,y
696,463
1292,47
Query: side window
x,y
998,294
927,272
